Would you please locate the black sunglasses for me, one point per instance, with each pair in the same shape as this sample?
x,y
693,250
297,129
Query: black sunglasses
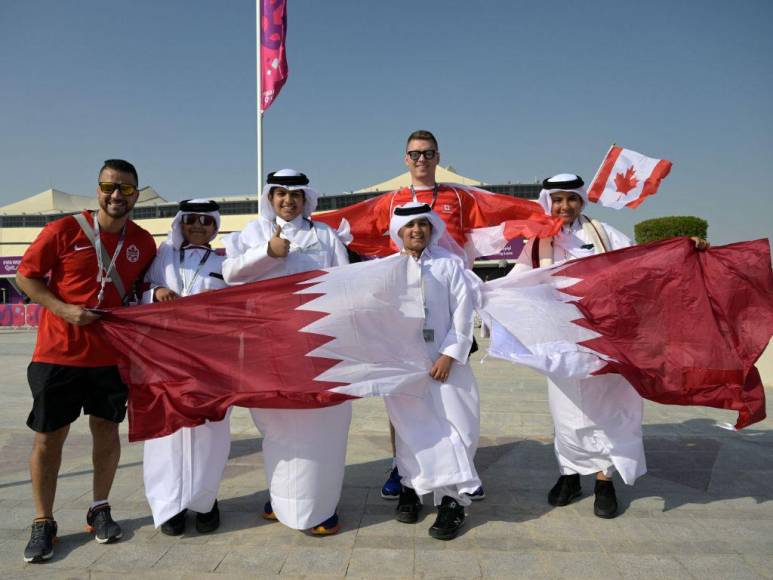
x,y
428,154
191,218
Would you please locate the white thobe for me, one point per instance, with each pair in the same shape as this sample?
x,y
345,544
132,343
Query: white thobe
x,y
597,421
437,436
183,470
304,450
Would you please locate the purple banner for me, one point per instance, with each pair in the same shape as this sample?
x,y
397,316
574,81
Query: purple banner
x,y
8,266
19,315
510,252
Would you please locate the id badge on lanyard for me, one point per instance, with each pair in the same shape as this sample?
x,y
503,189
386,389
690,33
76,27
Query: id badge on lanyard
x,y
427,332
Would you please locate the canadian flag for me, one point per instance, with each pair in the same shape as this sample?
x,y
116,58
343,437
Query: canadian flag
x,y
304,341
683,327
626,178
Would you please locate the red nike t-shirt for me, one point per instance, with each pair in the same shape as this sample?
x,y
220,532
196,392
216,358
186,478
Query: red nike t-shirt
x,y
64,253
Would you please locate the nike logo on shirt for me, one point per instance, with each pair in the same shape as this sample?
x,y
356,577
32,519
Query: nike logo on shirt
x,y
78,248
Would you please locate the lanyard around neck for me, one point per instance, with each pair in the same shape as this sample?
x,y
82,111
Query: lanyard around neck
x,y
185,285
434,195
103,277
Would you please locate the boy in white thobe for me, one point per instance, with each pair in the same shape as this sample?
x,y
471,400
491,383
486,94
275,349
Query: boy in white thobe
x,y
304,450
597,421
183,470
437,435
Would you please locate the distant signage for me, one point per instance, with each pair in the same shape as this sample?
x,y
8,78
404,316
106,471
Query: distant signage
x,y
510,252
8,266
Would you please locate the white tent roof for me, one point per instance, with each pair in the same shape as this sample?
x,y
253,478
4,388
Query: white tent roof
x,y
53,201
442,175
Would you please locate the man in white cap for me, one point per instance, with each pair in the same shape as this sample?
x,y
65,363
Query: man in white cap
x,y
437,435
597,421
183,470
304,450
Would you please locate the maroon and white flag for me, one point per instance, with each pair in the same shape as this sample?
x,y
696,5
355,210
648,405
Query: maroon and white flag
x,y
626,178
683,327
273,60
303,341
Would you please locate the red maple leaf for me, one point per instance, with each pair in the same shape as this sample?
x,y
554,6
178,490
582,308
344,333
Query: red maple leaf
x,y
625,183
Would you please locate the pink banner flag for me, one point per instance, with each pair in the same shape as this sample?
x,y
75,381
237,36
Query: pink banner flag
x,y
626,178
273,60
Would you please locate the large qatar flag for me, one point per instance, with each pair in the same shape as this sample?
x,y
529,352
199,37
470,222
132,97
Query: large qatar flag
x,y
683,327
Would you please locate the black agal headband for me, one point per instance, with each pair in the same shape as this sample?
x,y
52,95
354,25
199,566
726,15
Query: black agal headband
x,y
198,207
287,180
571,184
425,208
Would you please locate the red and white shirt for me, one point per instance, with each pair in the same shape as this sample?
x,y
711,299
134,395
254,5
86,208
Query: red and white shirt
x,y
64,254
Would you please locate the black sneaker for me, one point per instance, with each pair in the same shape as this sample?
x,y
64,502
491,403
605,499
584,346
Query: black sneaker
x,y
175,525
408,506
566,490
450,518
605,505
209,521
41,544
101,524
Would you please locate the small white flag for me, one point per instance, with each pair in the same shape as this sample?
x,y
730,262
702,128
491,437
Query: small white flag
x,y
626,178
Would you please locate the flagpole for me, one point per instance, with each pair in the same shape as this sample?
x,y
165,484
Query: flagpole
x,y
259,75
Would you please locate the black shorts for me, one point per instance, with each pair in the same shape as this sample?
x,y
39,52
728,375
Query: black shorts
x,y
59,393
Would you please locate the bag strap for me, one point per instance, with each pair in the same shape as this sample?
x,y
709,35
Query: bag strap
x,y
89,231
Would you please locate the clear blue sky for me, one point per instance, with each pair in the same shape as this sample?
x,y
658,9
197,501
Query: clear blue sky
x,y
514,91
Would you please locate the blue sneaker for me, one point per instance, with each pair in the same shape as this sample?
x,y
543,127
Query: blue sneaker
x,y
392,486
478,494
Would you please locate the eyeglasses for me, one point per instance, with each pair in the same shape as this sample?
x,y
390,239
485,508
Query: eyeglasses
x,y
191,218
109,187
428,154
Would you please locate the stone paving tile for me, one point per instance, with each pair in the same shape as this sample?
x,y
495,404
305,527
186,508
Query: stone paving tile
x,y
191,558
317,562
650,567
501,564
448,564
253,561
381,562
722,567
578,565
127,556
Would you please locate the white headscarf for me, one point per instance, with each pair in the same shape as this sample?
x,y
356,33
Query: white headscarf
x,y
291,180
415,210
561,182
194,206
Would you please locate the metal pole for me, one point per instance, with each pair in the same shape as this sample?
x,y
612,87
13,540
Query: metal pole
x,y
259,101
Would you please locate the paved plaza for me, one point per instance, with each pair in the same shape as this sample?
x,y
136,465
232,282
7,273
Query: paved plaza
x,y
704,510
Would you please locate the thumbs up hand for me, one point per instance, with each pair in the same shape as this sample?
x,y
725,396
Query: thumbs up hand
x,y
278,247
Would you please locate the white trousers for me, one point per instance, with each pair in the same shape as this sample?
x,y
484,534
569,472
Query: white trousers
x,y
436,436
304,455
598,427
183,470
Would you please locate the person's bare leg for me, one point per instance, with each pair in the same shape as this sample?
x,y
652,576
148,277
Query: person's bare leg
x,y
105,455
45,460
601,477
392,439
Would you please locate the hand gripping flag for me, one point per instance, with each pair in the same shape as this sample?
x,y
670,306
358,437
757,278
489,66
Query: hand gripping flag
x,y
273,60
626,178
683,327
464,209
303,341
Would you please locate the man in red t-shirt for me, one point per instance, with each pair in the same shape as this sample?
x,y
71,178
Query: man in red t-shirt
x,y
92,261
463,208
